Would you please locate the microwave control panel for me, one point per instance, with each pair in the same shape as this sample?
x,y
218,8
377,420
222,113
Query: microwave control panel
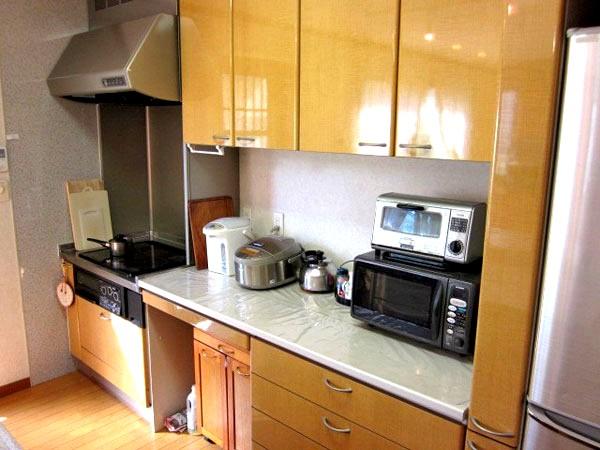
x,y
458,317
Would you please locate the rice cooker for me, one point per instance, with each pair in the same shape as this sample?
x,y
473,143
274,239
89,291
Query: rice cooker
x,y
268,262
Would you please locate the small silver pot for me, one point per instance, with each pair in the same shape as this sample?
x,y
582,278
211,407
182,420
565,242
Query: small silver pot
x,y
118,246
316,273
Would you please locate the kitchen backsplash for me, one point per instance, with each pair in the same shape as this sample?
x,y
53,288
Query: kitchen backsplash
x,y
328,200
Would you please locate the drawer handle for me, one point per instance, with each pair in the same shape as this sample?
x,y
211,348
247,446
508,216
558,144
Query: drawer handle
x,y
104,317
336,389
423,146
372,144
471,445
480,427
332,428
222,348
245,139
240,373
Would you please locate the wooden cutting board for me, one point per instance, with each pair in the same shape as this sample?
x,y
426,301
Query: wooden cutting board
x,y
89,211
203,211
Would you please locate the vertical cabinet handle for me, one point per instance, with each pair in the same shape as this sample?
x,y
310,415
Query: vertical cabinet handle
x,y
485,429
332,428
335,388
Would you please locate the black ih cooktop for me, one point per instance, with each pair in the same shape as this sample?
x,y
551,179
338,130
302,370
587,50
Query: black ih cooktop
x,y
144,257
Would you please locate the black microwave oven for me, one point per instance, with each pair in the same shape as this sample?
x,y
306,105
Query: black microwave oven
x,y
433,306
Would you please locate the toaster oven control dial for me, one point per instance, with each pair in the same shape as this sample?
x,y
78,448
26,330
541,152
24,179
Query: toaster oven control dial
x,y
456,247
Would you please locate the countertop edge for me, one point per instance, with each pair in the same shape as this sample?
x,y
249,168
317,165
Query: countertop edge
x,y
455,413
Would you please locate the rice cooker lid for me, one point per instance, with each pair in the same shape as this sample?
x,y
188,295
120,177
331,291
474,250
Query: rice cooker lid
x,y
267,250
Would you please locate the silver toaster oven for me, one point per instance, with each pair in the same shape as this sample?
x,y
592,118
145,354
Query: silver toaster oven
x,y
429,228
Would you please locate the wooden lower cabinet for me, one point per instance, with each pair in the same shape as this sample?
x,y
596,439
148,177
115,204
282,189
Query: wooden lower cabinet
x,y
313,401
239,398
224,392
319,424
476,441
268,433
213,393
114,348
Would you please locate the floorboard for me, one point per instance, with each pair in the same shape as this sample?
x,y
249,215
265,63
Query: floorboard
x,y
73,412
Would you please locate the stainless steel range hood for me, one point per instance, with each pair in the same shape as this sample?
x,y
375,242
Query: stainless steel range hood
x,y
133,62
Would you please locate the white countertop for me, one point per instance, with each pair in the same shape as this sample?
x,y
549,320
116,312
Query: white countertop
x,y
316,327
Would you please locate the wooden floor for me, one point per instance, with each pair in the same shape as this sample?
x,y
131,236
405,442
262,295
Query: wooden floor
x,y
72,412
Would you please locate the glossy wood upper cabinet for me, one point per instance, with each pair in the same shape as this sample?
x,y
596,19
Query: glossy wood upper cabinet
x,y
265,39
348,64
531,58
448,78
206,71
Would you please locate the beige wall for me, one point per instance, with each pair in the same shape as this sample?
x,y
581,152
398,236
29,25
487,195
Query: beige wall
x,y
328,200
57,142
14,364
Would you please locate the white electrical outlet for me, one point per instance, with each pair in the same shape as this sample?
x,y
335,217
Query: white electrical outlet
x,y
278,223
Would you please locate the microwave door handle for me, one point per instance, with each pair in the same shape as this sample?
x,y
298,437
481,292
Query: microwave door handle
x,y
410,207
436,310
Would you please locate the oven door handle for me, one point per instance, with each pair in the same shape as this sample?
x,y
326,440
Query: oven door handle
x,y
436,310
410,207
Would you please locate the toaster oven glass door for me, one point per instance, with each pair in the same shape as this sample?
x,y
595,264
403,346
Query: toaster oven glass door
x,y
421,229
400,301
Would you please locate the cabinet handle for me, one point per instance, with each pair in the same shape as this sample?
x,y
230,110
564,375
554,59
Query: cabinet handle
x,y
471,445
480,427
206,355
222,348
217,137
336,389
240,373
424,146
245,139
372,144
332,428
104,317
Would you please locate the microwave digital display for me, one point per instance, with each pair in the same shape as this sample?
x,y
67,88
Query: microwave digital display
x,y
408,221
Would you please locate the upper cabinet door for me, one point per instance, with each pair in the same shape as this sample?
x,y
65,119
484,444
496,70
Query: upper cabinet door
x,y
265,39
348,57
206,72
448,78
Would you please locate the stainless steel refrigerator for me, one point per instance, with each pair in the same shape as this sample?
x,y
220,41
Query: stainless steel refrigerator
x,y
564,396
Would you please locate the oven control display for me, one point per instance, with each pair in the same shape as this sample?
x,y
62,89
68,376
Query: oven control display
x,y
110,297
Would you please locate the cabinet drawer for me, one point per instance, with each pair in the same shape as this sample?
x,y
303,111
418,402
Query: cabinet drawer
x,y
309,419
114,348
216,329
476,441
399,421
272,435
224,346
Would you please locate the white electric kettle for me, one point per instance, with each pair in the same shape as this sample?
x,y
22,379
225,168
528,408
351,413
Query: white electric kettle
x,y
223,237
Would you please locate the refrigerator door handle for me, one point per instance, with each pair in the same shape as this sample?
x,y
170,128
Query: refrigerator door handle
x,y
480,427
541,416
